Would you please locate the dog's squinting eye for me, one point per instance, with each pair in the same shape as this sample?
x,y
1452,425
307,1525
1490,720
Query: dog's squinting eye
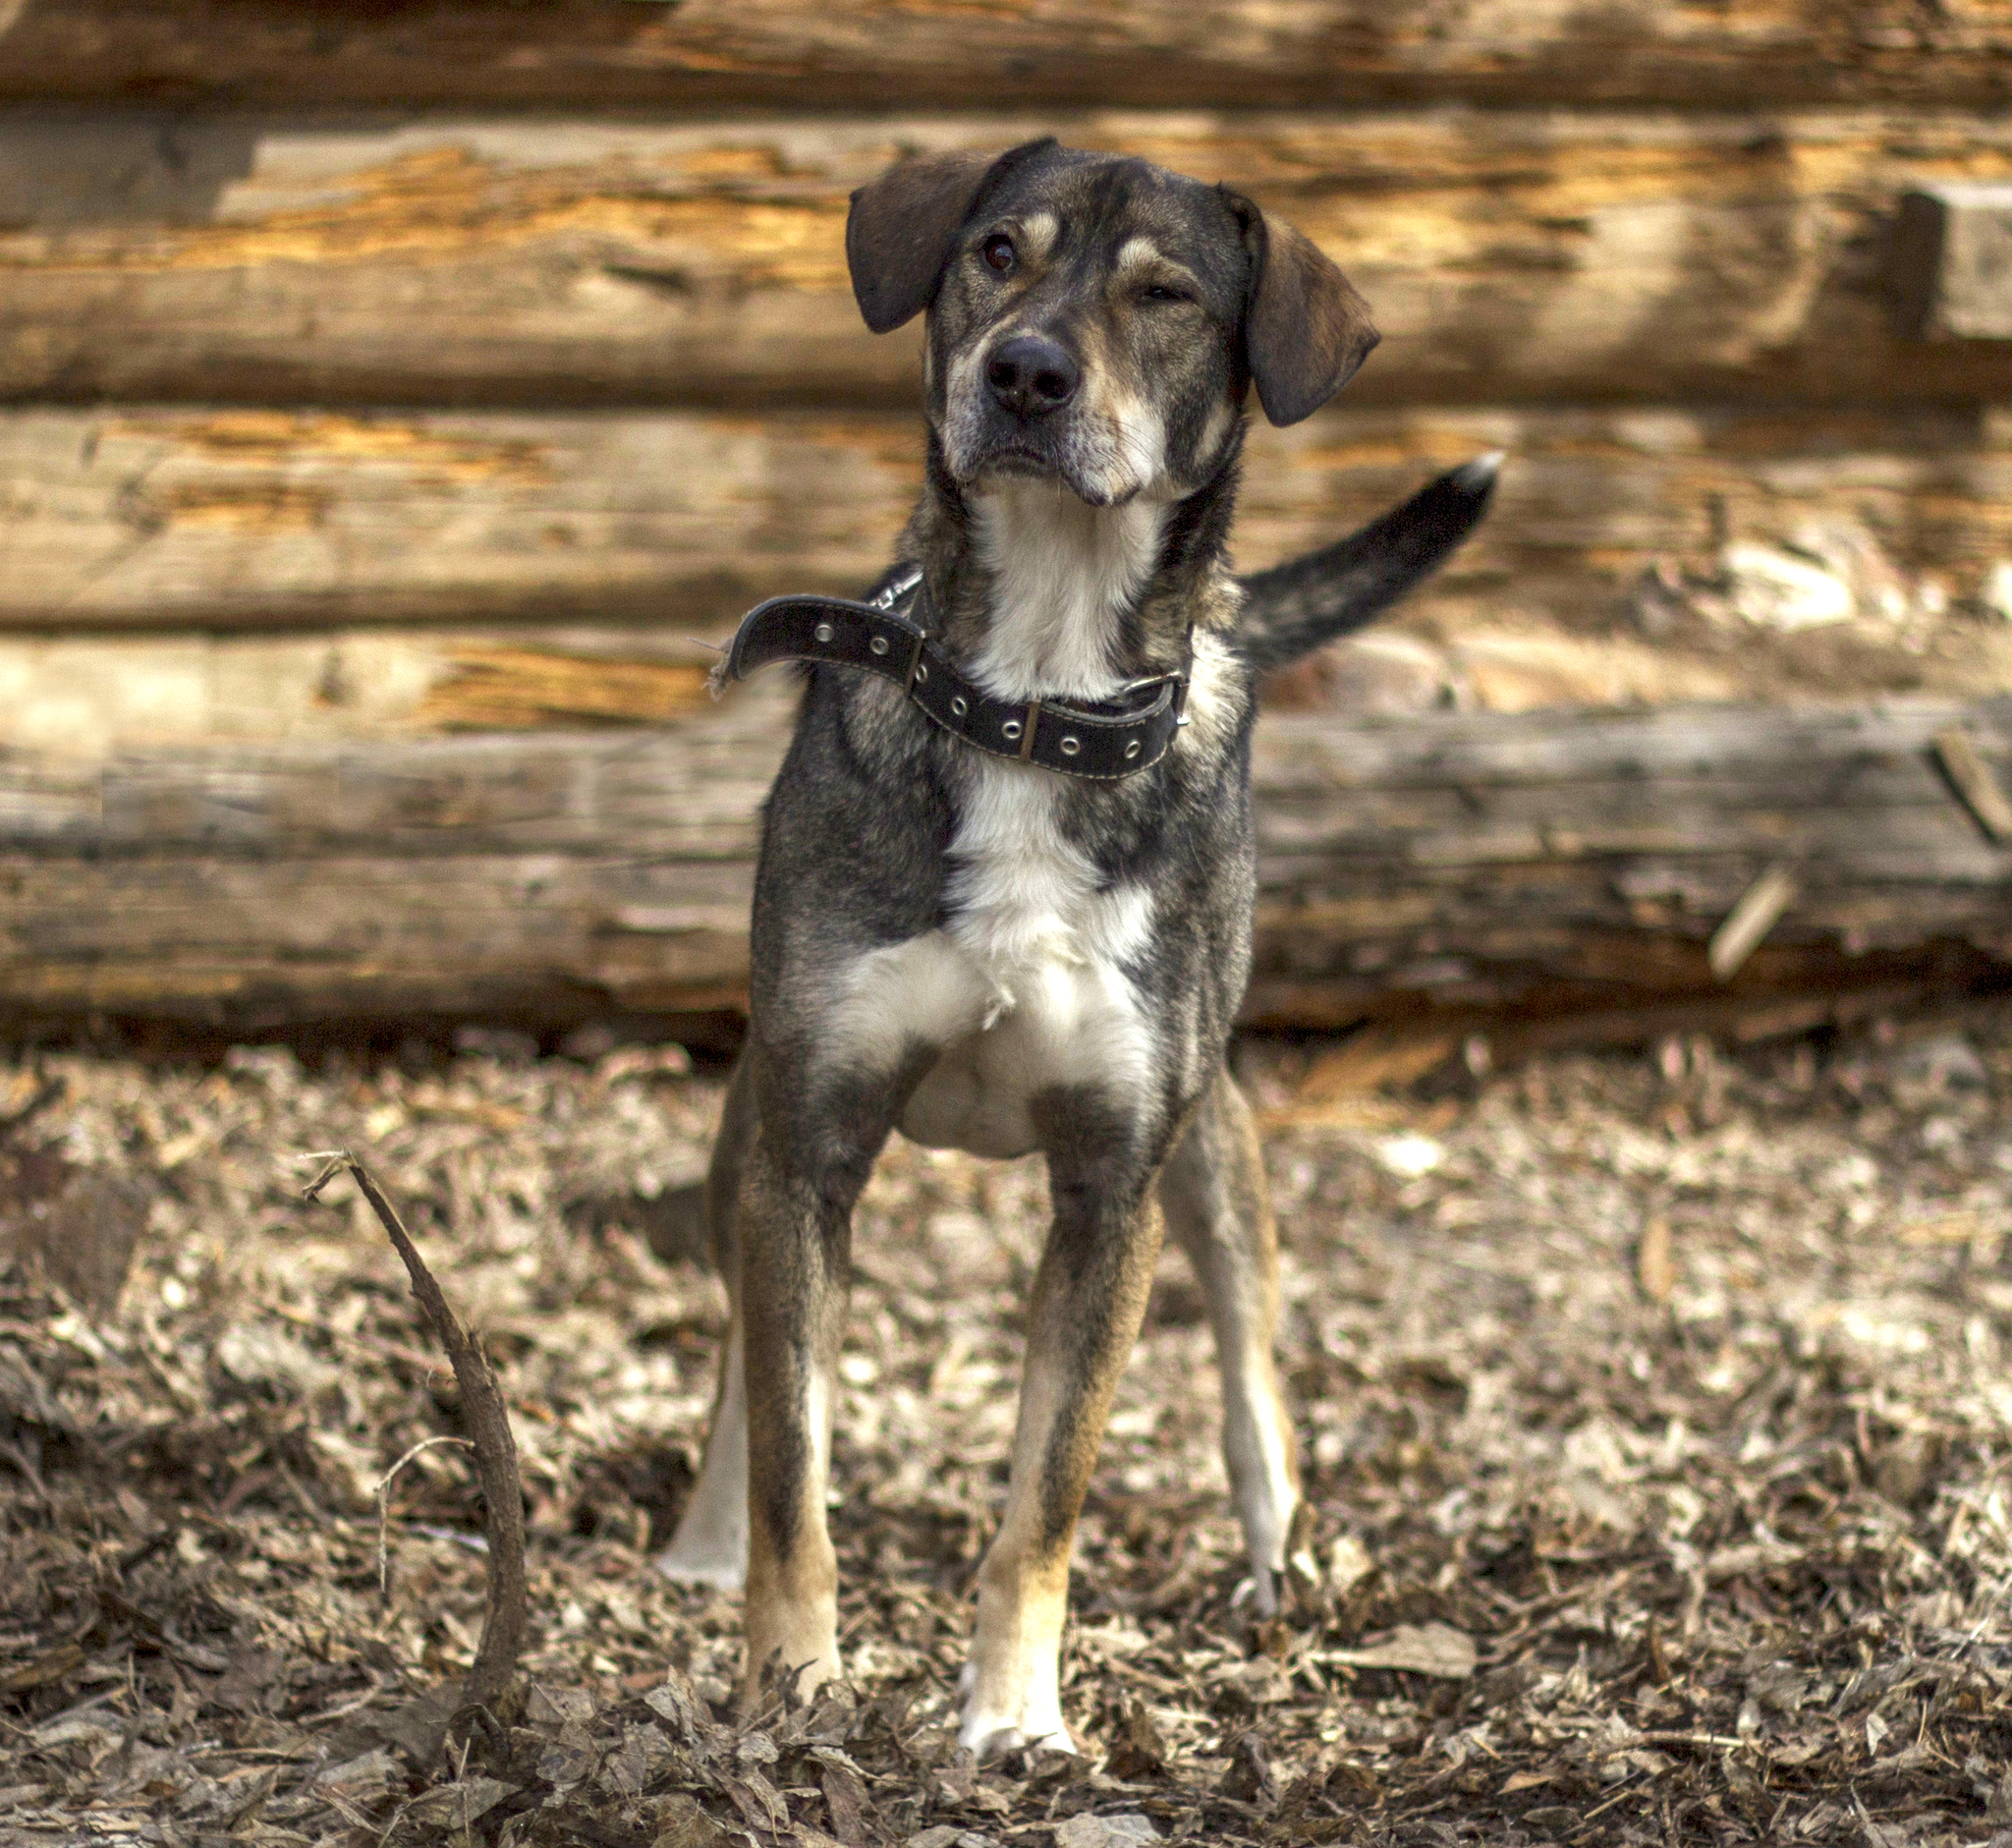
x,y
1164,292
998,254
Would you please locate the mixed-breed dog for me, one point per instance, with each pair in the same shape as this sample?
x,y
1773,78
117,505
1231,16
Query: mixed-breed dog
x,y
1005,891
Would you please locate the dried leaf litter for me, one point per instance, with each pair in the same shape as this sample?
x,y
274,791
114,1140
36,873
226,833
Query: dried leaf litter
x,y
1654,1412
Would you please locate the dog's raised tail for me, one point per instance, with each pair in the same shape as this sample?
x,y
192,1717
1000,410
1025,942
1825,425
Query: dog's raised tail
x,y
1294,608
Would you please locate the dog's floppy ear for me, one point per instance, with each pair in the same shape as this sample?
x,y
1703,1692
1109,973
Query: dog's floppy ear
x,y
1305,329
900,230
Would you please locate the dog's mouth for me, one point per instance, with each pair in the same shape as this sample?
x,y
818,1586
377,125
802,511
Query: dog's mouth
x,y
1015,457
1020,459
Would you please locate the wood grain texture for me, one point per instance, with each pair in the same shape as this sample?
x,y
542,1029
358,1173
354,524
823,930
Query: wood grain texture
x,y
164,520
1508,255
256,518
1442,861
904,53
94,694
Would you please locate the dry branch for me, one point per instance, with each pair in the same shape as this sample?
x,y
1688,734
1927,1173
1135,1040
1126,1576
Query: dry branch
x,y
1975,783
1759,908
489,1426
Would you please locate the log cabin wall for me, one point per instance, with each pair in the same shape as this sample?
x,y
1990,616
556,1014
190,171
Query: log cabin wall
x,y
437,380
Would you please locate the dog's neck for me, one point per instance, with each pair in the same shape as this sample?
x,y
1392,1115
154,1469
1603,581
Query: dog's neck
x,y
1040,596
1061,577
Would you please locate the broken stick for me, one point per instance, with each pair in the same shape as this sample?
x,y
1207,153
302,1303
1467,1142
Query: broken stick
x,y
1971,779
489,1426
1759,911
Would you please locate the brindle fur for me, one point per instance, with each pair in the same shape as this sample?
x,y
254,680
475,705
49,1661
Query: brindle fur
x,y
989,955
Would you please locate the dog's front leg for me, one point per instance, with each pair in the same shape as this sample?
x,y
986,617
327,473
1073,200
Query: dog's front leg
x,y
1089,1299
794,1231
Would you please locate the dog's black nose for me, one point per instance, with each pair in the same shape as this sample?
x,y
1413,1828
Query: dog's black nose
x,y
1030,377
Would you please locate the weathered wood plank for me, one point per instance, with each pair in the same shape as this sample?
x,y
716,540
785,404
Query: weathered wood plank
x,y
1451,861
873,54
267,519
250,942
1508,257
163,519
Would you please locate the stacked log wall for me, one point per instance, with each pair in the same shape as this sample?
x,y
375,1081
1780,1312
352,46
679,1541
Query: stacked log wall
x,y
368,376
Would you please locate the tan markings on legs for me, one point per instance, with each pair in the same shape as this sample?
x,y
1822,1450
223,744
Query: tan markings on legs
x,y
1218,1207
710,1546
1012,1683
792,1287
1088,1299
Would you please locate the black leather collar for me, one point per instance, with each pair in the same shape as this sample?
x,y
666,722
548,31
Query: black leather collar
x,y
1103,741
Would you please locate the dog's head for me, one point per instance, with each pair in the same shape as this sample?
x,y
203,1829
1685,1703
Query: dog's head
x,y
1095,320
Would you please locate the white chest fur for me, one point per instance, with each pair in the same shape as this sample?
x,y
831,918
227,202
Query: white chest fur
x,y
1025,990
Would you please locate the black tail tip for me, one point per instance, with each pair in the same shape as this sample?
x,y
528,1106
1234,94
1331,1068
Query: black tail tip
x,y
1476,478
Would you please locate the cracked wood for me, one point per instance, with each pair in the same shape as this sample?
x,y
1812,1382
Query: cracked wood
x,y
1532,255
170,520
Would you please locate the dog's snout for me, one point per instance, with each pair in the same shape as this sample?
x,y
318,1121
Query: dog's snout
x,y
1030,375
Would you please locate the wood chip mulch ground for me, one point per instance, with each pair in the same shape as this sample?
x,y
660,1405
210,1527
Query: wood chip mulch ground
x,y
1655,1413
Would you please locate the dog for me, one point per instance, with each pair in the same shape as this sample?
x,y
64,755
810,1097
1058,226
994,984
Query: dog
x,y
1005,890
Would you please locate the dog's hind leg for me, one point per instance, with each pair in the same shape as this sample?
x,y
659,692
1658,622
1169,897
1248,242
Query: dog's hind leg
x,y
1217,1204
710,1546
1089,1299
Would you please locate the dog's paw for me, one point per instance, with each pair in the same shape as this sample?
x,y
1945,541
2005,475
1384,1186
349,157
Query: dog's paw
x,y
1259,1594
991,1736
990,1733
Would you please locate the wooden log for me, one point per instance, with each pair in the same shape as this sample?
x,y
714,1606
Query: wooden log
x,y
1508,257
1442,862
252,519
168,519
1953,261
869,54
85,696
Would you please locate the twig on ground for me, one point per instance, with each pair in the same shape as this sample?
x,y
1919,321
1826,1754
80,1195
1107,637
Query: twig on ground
x,y
384,1507
489,1426
33,1476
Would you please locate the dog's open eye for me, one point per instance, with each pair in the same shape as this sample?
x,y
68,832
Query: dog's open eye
x,y
997,252
1164,292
